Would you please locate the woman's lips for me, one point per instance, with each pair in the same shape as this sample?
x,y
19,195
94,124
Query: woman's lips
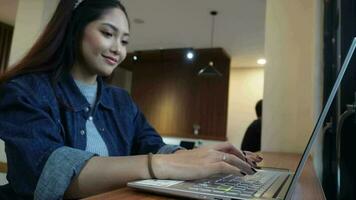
x,y
111,60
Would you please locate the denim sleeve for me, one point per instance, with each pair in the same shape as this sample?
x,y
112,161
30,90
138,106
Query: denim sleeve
x,y
30,134
61,167
167,149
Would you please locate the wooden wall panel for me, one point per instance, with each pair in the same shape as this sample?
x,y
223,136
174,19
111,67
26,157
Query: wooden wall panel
x,y
212,99
173,98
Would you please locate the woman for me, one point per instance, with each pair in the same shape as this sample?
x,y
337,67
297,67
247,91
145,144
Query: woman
x,y
69,135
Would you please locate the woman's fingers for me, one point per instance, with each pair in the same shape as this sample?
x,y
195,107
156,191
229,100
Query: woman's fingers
x,y
225,168
248,157
253,156
252,163
238,163
229,148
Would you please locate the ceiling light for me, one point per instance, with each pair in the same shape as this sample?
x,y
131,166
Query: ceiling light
x,y
261,61
210,70
190,55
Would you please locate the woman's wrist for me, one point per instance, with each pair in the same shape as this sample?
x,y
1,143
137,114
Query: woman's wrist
x,y
159,165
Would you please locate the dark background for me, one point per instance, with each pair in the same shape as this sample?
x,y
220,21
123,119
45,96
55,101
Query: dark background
x,y
339,30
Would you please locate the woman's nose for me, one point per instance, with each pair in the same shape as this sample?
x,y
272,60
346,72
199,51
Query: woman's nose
x,y
115,49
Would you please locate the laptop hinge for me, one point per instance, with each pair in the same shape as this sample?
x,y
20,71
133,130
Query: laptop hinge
x,y
284,189
277,185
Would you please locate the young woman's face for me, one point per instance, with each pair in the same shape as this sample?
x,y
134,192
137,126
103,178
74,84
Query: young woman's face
x,y
104,43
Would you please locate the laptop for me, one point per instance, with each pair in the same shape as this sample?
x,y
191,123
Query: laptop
x,y
265,184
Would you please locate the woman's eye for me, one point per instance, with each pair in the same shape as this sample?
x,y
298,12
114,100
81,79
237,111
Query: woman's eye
x,y
107,34
124,42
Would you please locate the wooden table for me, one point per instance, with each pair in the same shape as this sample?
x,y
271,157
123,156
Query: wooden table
x,y
308,187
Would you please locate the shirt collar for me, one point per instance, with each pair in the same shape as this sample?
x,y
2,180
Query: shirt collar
x,y
76,100
104,95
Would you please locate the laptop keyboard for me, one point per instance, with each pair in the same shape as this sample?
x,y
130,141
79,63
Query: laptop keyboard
x,y
248,186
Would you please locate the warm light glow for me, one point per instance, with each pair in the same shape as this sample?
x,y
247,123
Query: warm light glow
x,y
261,61
190,55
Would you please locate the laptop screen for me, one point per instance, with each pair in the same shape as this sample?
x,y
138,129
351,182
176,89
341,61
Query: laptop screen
x,y
321,119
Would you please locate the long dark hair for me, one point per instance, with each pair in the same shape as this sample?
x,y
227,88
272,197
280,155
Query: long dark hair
x,y
57,47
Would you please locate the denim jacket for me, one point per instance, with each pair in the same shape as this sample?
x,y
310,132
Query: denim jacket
x,y
43,126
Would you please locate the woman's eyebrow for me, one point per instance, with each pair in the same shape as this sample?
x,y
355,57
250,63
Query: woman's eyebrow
x,y
115,28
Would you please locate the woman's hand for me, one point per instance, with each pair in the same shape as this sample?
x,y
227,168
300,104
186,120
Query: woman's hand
x,y
252,158
203,162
